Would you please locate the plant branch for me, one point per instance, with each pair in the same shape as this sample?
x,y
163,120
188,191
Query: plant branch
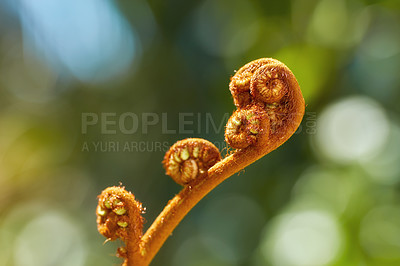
x,y
270,109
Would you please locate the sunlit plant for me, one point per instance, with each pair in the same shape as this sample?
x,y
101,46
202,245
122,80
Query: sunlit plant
x,y
270,107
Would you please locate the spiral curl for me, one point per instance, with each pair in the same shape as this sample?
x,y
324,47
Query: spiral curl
x,y
270,109
268,84
240,82
244,126
119,216
190,159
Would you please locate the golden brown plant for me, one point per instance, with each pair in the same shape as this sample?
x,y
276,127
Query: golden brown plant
x,y
270,109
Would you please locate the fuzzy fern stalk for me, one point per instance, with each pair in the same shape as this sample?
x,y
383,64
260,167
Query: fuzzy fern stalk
x,y
270,107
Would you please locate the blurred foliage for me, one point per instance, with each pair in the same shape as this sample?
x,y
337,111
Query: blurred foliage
x,y
329,196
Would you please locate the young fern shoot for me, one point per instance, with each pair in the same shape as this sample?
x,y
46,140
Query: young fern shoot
x,y
270,108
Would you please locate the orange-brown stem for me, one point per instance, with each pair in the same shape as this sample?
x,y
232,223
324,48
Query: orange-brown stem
x,y
183,202
270,109
119,216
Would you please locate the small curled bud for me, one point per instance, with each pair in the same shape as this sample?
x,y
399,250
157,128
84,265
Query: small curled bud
x,y
244,126
268,84
240,82
119,216
190,159
270,109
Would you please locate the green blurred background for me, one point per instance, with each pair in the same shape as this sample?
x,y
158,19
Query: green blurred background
x,y
329,196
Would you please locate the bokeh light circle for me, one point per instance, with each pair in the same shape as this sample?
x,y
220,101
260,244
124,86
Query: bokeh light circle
x,y
353,129
49,239
303,238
